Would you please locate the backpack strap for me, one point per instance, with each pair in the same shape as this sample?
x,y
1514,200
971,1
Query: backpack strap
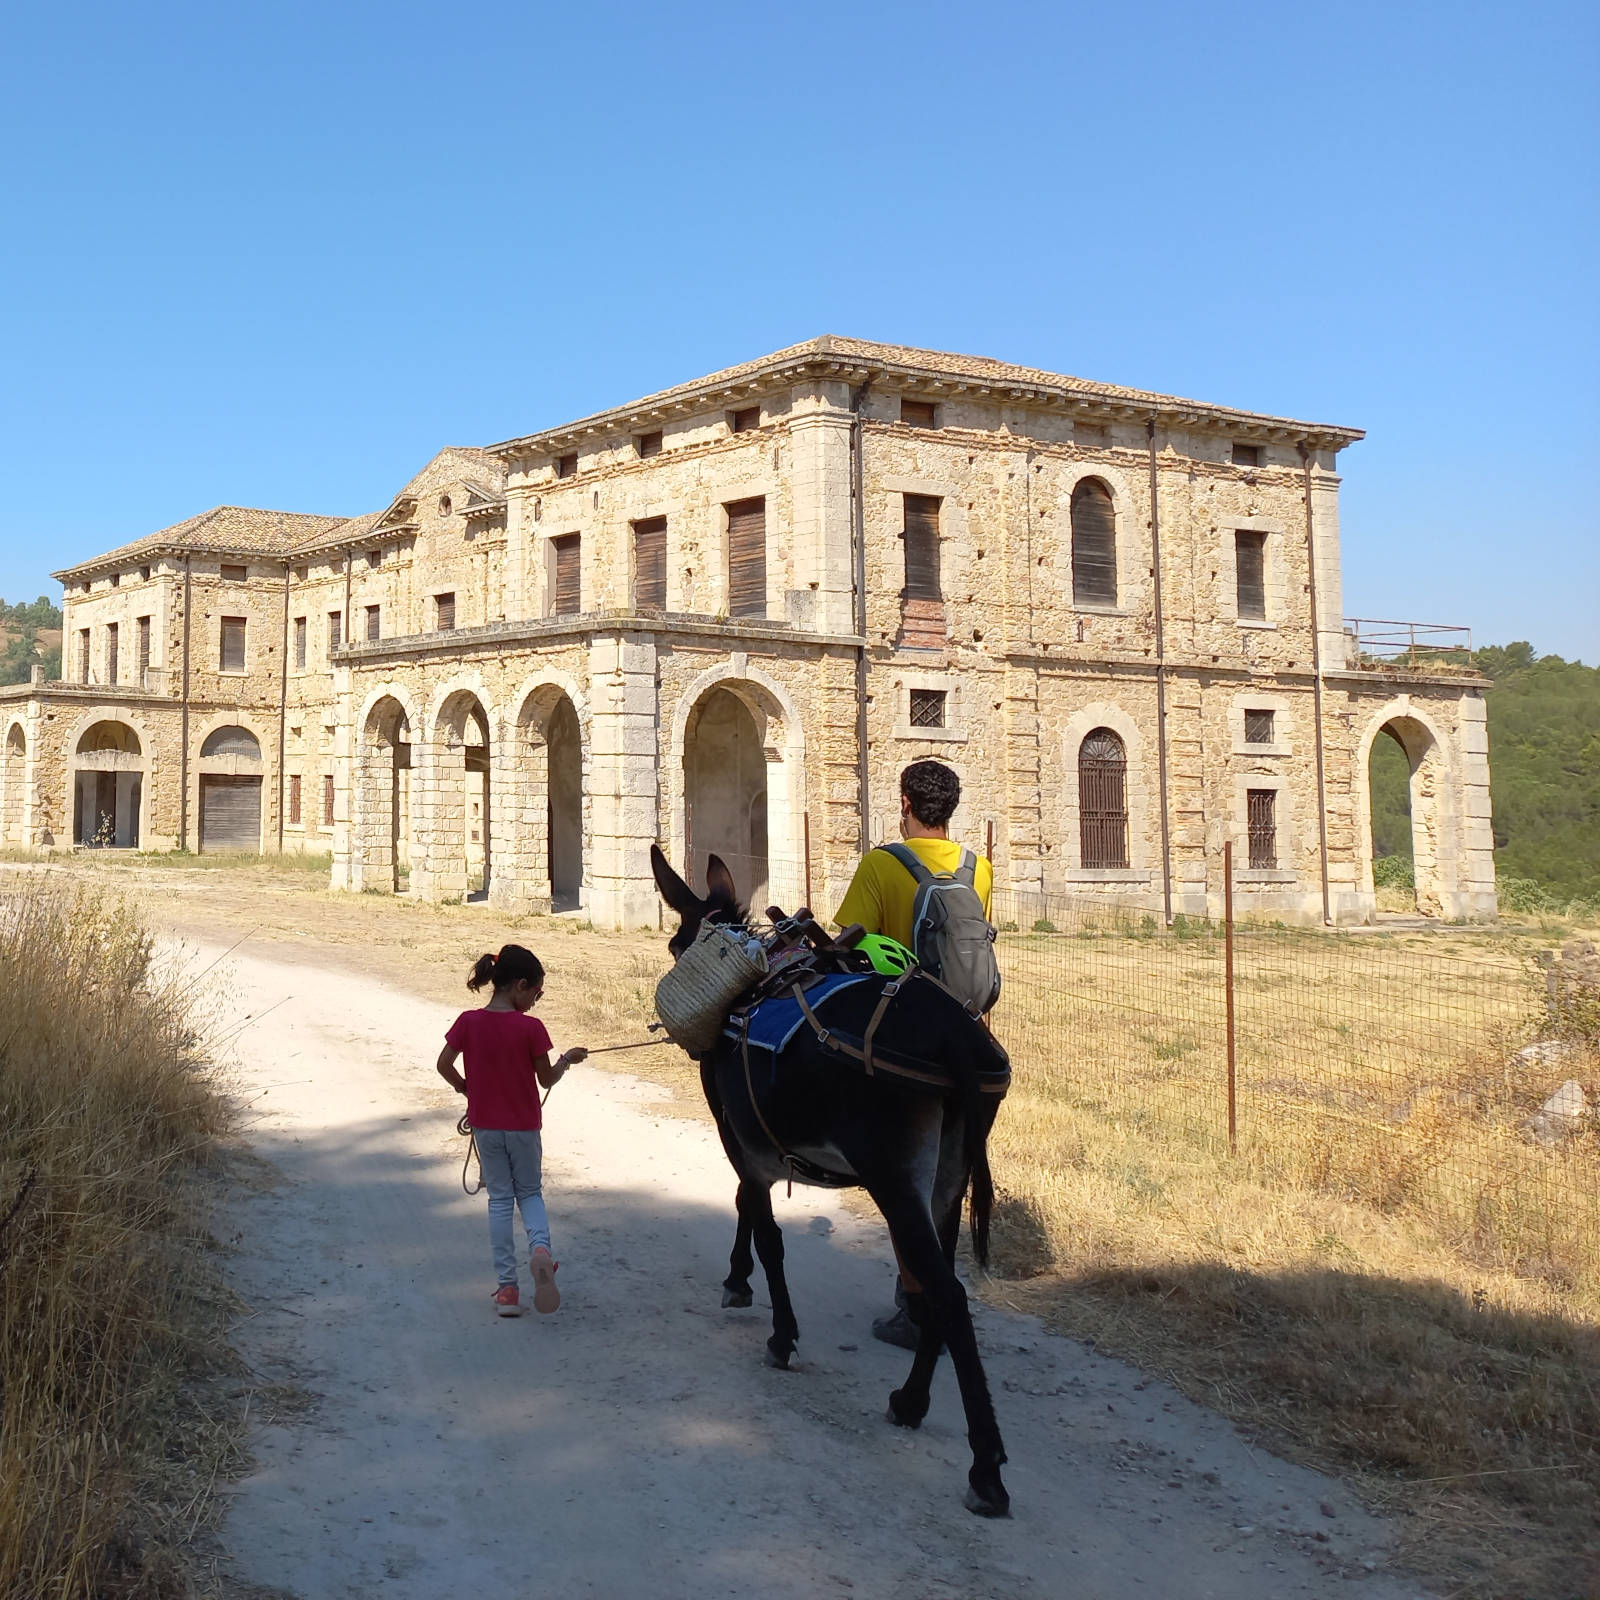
x,y
908,859
967,872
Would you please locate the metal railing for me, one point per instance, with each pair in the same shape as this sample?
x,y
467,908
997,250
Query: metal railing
x,y
1415,644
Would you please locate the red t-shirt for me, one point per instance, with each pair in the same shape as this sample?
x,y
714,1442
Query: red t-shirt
x,y
498,1049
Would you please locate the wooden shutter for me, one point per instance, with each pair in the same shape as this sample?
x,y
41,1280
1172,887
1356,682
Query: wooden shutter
x,y
1247,455
445,607
111,652
650,563
1263,827
294,799
233,644
144,647
1250,557
1103,800
648,444
230,812
327,800
1094,545
922,547
83,655
569,575
917,413
747,558
374,624
335,630
299,641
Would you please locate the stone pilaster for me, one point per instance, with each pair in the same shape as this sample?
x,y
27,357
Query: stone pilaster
x,y
624,802
819,442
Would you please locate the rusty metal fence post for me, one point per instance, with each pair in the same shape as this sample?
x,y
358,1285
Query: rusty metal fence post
x,y
1227,963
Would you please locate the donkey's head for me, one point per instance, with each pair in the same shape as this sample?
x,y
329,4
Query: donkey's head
x,y
721,903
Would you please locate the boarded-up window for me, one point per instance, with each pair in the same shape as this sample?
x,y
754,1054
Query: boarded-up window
x,y
1094,545
745,420
300,642
111,652
233,644
83,655
747,558
922,547
234,574
1257,727
1263,827
444,612
1250,564
567,466
650,563
144,647
566,598
374,623
327,800
294,799
648,444
1103,800
918,414
927,708
1247,455
335,630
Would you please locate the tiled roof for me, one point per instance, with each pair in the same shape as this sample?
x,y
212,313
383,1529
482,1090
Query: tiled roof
x,y
911,363
232,530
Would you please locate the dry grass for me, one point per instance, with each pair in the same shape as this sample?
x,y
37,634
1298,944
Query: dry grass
x,y
107,1305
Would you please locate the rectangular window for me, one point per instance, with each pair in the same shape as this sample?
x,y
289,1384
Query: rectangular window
x,y
111,652
566,595
116,580
1257,727
335,630
648,444
918,414
144,574
745,420
927,708
374,628
234,574
1263,827
1250,565
144,647
233,644
747,558
1247,455
650,563
294,799
374,559
922,547
83,655
327,800
567,466
444,612
300,642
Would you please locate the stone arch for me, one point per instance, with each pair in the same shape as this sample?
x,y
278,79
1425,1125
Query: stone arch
x,y
13,783
108,782
457,746
229,774
771,750
380,813
231,739
1431,798
545,787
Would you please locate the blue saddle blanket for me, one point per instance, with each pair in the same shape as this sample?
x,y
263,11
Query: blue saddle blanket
x,y
773,1022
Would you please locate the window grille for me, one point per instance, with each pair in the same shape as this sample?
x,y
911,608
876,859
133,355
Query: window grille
x,y
747,558
1250,565
650,563
1263,829
927,708
300,642
1094,545
918,414
445,611
1258,727
1103,800
374,627
233,644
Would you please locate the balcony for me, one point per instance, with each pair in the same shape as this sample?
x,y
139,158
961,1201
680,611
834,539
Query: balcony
x,y
1436,648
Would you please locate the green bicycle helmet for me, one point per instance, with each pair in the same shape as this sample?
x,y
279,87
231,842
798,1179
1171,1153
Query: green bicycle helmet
x,y
887,955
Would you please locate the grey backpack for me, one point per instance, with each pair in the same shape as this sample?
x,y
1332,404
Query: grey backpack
x,y
950,936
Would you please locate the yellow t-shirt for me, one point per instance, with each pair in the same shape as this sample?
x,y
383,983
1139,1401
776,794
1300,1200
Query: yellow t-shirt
x,y
881,894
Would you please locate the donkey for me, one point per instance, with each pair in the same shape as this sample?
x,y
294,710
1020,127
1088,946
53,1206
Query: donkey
x,y
914,1151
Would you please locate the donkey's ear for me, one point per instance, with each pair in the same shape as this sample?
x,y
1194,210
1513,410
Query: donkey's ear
x,y
719,881
673,889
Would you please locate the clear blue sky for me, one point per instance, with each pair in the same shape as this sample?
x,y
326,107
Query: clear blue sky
x,y
277,254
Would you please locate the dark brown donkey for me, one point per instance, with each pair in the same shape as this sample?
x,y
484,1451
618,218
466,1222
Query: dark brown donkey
x,y
818,1117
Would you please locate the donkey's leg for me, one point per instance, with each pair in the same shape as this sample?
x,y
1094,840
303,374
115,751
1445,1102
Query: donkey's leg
x,y
736,1291
908,1405
918,1244
755,1211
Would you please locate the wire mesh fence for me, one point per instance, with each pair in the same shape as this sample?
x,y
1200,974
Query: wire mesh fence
x,y
1427,1074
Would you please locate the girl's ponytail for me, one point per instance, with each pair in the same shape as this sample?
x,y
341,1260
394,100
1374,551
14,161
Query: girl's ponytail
x,y
482,973
512,963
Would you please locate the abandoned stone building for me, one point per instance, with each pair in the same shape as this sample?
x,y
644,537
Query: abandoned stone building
x,y
725,617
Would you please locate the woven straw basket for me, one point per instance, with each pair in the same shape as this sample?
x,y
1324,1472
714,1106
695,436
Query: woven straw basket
x,y
694,998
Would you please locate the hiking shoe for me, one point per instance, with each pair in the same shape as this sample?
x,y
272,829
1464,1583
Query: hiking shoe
x,y
507,1301
546,1297
898,1330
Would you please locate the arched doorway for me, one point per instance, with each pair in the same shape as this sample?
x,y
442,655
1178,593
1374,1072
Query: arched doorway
x,y
108,787
463,816
230,790
1403,786
13,775
550,748
725,793
383,820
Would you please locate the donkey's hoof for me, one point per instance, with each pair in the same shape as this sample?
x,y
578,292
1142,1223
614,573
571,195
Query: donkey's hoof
x,y
736,1299
986,1496
778,1355
902,1413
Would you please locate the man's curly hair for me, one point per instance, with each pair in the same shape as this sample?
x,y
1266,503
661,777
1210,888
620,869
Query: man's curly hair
x,y
933,790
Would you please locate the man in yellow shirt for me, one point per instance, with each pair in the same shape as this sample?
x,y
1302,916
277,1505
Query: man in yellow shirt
x,y
881,897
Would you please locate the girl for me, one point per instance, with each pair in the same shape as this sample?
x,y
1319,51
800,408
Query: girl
x,y
507,1058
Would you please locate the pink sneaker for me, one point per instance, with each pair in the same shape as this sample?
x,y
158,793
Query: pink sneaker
x,y
506,1300
546,1297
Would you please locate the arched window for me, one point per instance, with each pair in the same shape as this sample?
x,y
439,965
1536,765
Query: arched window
x,y
232,741
1094,545
1103,800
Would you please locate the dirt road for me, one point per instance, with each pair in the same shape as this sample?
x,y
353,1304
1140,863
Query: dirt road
x,y
634,1444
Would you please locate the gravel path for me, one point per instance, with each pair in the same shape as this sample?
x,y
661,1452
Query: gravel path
x,y
634,1444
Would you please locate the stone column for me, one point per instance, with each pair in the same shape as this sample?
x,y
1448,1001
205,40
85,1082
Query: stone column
x,y
819,443
346,874
1478,895
619,891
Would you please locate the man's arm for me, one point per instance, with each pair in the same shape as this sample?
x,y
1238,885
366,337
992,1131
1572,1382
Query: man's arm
x,y
446,1066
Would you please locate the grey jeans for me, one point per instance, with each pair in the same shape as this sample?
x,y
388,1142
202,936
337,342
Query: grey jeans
x,y
512,1160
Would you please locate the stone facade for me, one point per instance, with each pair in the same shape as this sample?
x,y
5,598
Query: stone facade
x,y
512,679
